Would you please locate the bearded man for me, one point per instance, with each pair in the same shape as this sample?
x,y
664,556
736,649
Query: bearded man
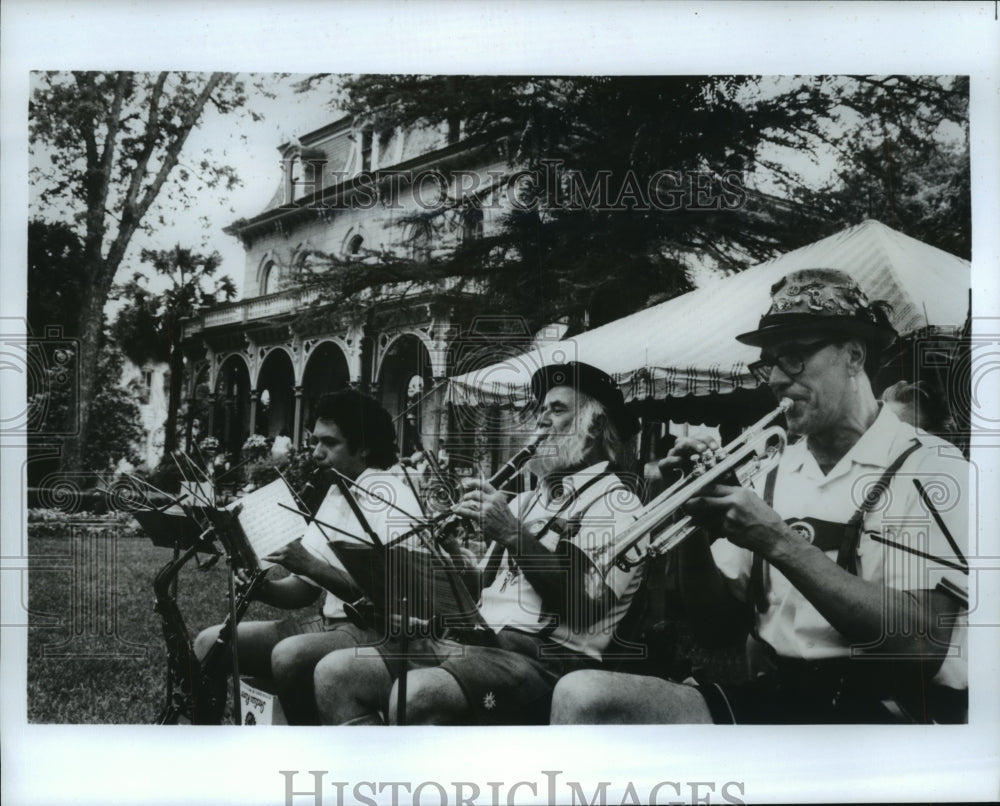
x,y
547,610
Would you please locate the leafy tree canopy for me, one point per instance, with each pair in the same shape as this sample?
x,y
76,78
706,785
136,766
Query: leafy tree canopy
x,y
149,326
104,145
602,230
55,284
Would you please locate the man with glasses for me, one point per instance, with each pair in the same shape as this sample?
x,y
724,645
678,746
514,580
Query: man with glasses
x,y
849,558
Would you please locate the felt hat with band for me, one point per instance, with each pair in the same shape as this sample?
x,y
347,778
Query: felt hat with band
x,y
592,382
825,300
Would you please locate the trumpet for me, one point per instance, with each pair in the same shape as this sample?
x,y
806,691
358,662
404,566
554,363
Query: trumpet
x,y
754,452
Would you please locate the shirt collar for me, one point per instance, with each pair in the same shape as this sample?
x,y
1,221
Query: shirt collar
x,y
877,447
570,484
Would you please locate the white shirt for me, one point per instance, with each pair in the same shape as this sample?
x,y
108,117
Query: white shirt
x,y
375,491
899,526
591,522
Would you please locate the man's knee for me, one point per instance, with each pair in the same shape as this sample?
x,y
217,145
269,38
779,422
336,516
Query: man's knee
x,y
596,697
336,673
433,697
204,640
289,659
345,686
582,697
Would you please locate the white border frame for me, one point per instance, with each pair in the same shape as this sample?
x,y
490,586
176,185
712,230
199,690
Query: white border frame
x,y
147,765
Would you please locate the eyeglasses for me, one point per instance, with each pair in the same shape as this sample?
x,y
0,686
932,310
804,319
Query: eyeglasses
x,y
791,360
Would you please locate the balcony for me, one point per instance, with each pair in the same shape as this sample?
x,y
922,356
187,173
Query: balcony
x,y
293,300
249,310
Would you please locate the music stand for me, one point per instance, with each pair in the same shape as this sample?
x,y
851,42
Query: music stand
x,y
226,525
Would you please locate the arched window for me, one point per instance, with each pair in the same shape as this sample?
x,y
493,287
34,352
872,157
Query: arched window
x,y
269,278
367,139
472,224
420,242
354,246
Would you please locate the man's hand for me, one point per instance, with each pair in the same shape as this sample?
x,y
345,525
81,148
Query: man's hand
x,y
741,515
488,508
243,582
295,558
683,457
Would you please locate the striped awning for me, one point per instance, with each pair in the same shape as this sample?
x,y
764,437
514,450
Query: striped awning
x,y
687,345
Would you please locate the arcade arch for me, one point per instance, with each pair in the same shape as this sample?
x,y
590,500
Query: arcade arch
x,y
326,371
405,360
232,404
275,411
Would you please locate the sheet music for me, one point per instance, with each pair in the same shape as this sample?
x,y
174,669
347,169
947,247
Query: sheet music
x,y
267,525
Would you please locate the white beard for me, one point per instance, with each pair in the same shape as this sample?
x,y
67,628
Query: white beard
x,y
559,452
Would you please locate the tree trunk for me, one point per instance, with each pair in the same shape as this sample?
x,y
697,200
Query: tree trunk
x,y
90,325
173,399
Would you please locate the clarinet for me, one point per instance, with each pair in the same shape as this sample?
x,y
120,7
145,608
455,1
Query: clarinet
x,y
450,521
314,490
444,522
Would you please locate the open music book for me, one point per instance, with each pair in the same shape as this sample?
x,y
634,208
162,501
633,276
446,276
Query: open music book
x,y
170,528
265,521
429,585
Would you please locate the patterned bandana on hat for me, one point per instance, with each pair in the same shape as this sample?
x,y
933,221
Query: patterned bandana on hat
x,y
812,300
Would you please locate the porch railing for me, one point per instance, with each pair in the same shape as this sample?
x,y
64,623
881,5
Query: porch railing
x,y
295,299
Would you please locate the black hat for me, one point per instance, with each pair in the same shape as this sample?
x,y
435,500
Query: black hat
x,y
592,382
811,300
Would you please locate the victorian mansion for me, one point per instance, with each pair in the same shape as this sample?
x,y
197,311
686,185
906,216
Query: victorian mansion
x,y
360,200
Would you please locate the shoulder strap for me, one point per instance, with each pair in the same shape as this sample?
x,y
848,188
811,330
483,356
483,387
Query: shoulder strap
x,y
496,550
847,556
756,592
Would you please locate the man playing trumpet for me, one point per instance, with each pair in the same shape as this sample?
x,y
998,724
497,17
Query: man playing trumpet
x,y
857,589
546,611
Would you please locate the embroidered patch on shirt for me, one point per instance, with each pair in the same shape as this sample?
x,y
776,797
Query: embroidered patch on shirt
x,y
803,530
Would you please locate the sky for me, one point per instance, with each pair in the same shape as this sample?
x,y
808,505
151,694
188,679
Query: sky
x,y
250,147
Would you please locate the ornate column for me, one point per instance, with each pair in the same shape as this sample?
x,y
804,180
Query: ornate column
x,y
297,432
210,428
254,397
440,415
230,413
189,425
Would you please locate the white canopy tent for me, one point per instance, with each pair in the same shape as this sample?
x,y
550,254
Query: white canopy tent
x,y
687,345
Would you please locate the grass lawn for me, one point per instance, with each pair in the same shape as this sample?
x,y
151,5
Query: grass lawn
x,y
95,646
96,652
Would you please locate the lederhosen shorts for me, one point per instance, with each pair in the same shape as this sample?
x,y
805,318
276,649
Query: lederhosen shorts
x,y
301,625
508,682
822,693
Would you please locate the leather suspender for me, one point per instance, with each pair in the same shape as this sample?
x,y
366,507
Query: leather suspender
x,y
847,557
492,565
847,554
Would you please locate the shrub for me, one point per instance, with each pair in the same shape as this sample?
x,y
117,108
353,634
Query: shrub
x,y
48,522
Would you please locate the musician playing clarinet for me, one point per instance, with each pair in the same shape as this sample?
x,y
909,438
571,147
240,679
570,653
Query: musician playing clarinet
x,y
848,560
353,436
544,613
